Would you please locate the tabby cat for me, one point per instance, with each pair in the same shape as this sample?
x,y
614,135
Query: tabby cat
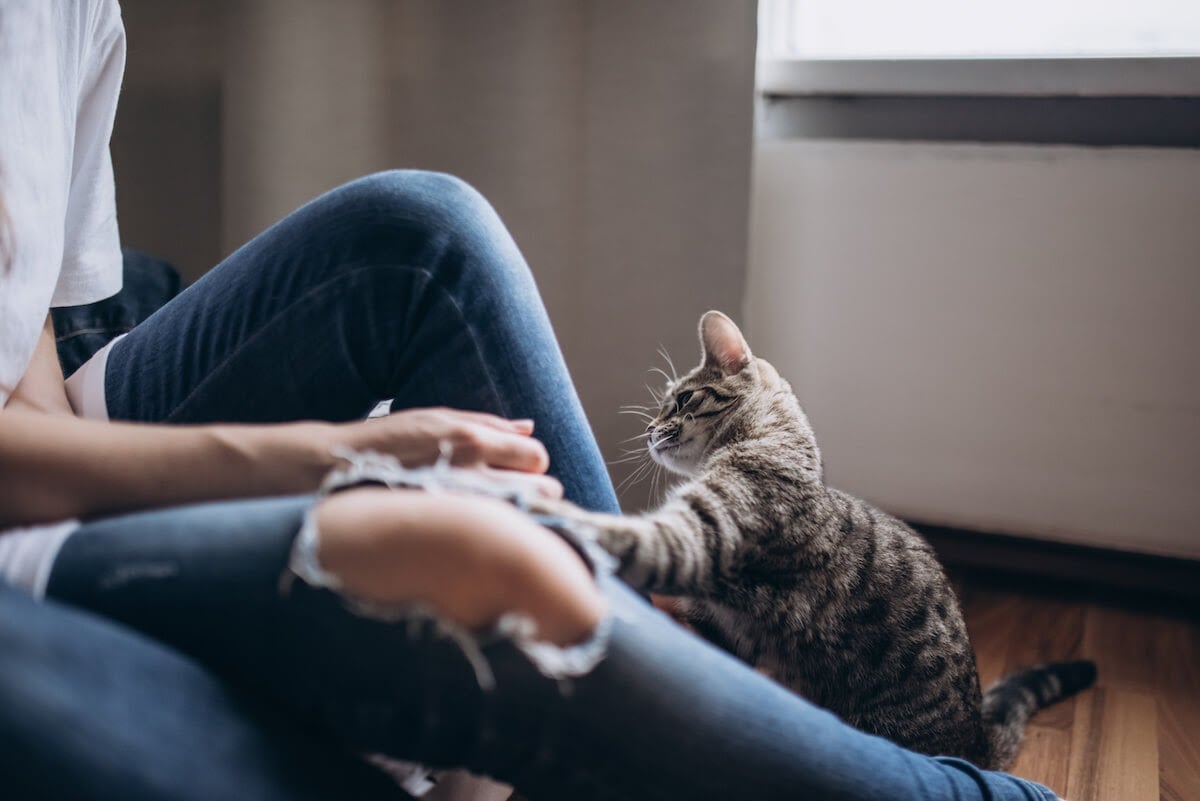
x,y
833,598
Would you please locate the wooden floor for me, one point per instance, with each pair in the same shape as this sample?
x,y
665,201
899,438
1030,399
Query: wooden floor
x,y
1136,735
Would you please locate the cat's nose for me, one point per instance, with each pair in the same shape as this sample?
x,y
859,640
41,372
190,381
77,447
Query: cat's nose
x,y
650,428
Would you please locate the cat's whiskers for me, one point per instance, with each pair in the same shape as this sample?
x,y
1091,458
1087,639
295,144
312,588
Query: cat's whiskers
x,y
654,443
630,456
638,412
658,483
662,351
636,475
661,372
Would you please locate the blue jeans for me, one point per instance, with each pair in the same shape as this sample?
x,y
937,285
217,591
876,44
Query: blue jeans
x,y
148,283
401,285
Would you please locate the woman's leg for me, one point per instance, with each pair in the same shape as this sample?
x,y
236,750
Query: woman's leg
x,y
400,285
662,716
90,710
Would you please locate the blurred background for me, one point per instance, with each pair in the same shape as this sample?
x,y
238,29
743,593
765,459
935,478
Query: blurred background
x,y
972,247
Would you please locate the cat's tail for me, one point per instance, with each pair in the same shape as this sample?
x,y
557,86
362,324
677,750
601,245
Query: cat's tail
x,y
1010,702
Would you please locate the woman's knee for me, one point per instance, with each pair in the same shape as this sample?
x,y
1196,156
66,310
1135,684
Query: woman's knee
x,y
432,202
472,559
430,221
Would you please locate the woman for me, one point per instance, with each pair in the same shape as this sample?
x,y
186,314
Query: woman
x,y
438,627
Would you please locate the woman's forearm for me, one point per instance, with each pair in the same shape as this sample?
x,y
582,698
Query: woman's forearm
x,y
54,467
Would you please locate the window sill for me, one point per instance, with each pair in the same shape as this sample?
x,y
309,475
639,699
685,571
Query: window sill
x,y
1015,77
1145,102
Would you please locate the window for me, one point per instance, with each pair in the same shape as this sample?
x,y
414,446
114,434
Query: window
x,y
970,29
1094,72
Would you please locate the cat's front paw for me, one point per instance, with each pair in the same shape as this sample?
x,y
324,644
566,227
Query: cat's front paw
x,y
614,533
551,507
614,540
623,543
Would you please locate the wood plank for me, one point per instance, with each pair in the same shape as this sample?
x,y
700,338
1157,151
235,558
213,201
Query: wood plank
x,y
1047,630
1179,749
990,616
1136,737
1045,755
1114,747
1178,676
1125,645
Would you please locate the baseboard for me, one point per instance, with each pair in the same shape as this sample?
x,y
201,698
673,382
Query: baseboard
x,y
1158,579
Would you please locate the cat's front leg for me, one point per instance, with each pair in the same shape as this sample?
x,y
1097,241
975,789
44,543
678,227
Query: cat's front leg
x,y
619,535
660,552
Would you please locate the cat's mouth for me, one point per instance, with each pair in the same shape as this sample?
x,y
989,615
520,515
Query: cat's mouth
x,y
668,444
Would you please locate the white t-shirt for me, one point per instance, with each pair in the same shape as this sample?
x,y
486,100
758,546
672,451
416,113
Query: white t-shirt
x,y
61,64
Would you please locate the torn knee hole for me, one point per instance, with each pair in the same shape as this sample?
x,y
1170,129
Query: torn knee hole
x,y
558,649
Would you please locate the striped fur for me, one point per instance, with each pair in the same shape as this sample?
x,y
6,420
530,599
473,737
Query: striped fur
x,y
833,598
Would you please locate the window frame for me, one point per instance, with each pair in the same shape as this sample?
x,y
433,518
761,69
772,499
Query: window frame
x,y
1157,76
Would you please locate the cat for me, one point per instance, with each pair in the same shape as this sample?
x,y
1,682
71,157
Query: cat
x,y
831,597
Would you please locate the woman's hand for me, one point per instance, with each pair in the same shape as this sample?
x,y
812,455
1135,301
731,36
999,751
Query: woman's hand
x,y
58,466
470,439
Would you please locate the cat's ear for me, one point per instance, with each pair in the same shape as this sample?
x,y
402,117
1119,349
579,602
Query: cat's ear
x,y
723,344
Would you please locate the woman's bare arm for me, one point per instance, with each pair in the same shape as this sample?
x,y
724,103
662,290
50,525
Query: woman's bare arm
x,y
54,465
42,388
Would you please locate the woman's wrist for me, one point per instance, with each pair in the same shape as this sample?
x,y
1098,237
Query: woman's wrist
x,y
274,459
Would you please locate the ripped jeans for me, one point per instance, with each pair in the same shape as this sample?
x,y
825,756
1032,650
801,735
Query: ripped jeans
x,y
218,680
662,715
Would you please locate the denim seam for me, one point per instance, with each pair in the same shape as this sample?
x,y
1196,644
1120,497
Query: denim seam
x,y
108,329
312,292
470,329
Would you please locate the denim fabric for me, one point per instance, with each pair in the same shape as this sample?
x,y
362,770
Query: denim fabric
x,y
91,711
80,331
400,285
663,716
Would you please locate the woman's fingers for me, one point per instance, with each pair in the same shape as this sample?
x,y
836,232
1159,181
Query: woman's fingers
x,y
545,486
482,445
521,426
419,436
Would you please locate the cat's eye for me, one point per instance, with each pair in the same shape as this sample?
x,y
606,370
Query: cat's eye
x,y
683,398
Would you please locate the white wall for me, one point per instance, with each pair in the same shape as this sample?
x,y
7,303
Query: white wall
x,y
1001,338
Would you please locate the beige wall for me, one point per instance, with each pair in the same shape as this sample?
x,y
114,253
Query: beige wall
x,y
613,136
994,337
